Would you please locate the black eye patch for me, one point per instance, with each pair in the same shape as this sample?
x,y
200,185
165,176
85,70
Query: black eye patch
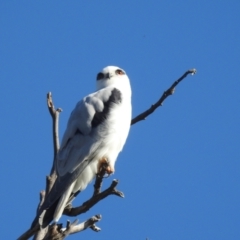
x,y
100,76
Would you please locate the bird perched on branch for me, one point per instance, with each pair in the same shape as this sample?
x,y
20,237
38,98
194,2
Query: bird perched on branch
x,y
96,132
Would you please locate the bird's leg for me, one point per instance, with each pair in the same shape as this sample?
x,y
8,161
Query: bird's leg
x,y
103,168
104,164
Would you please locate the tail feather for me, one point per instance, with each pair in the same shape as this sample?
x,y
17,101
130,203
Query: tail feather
x,y
62,203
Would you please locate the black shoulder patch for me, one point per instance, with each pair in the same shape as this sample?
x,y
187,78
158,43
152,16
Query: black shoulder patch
x,y
115,98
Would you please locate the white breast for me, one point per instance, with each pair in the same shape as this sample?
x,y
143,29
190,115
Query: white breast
x,y
113,141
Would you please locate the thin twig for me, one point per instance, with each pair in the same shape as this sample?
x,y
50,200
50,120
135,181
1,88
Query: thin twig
x,y
90,223
70,211
55,120
159,103
50,180
53,175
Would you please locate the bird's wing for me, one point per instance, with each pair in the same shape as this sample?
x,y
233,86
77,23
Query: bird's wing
x,y
80,139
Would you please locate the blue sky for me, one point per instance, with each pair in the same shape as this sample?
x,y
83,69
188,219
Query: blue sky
x,y
180,168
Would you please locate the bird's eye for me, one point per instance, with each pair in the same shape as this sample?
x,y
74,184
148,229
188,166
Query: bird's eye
x,y
119,72
100,76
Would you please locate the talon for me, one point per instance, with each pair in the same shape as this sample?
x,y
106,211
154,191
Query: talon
x,y
109,170
103,163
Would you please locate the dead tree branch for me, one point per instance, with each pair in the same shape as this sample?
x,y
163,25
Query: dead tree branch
x,y
159,103
40,233
55,129
57,232
70,211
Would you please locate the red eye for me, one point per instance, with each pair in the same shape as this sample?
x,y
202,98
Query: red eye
x,y
119,72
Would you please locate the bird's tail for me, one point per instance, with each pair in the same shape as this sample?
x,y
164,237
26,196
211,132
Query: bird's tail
x,y
62,203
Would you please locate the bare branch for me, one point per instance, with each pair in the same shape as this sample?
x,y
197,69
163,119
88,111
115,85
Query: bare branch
x,y
55,119
53,175
70,211
159,103
50,180
90,223
57,232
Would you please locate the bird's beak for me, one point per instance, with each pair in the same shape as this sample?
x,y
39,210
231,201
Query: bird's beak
x,y
107,75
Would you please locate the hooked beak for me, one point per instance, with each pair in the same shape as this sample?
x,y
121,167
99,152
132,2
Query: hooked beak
x,y
107,75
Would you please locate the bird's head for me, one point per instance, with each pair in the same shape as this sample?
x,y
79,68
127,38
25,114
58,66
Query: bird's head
x,y
111,75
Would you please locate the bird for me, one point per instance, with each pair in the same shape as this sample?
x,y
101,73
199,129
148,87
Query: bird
x,y
96,132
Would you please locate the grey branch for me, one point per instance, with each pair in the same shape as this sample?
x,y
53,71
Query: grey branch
x,y
57,232
70,211
40,233
159,103
55,120
50,180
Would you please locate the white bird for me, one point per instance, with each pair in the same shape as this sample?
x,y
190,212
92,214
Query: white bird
x,y
96,132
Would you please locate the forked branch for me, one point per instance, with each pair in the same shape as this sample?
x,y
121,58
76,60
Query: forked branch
x,y
57,232
55,129
70,211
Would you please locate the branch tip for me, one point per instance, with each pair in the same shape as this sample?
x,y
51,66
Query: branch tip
x,y
119,194
193,71
114,183
68,224
95,228
98,216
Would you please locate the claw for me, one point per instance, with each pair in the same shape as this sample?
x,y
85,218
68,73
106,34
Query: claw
x,y
104,163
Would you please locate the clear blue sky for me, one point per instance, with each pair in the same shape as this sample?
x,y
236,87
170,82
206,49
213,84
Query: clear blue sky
x,y
180,168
